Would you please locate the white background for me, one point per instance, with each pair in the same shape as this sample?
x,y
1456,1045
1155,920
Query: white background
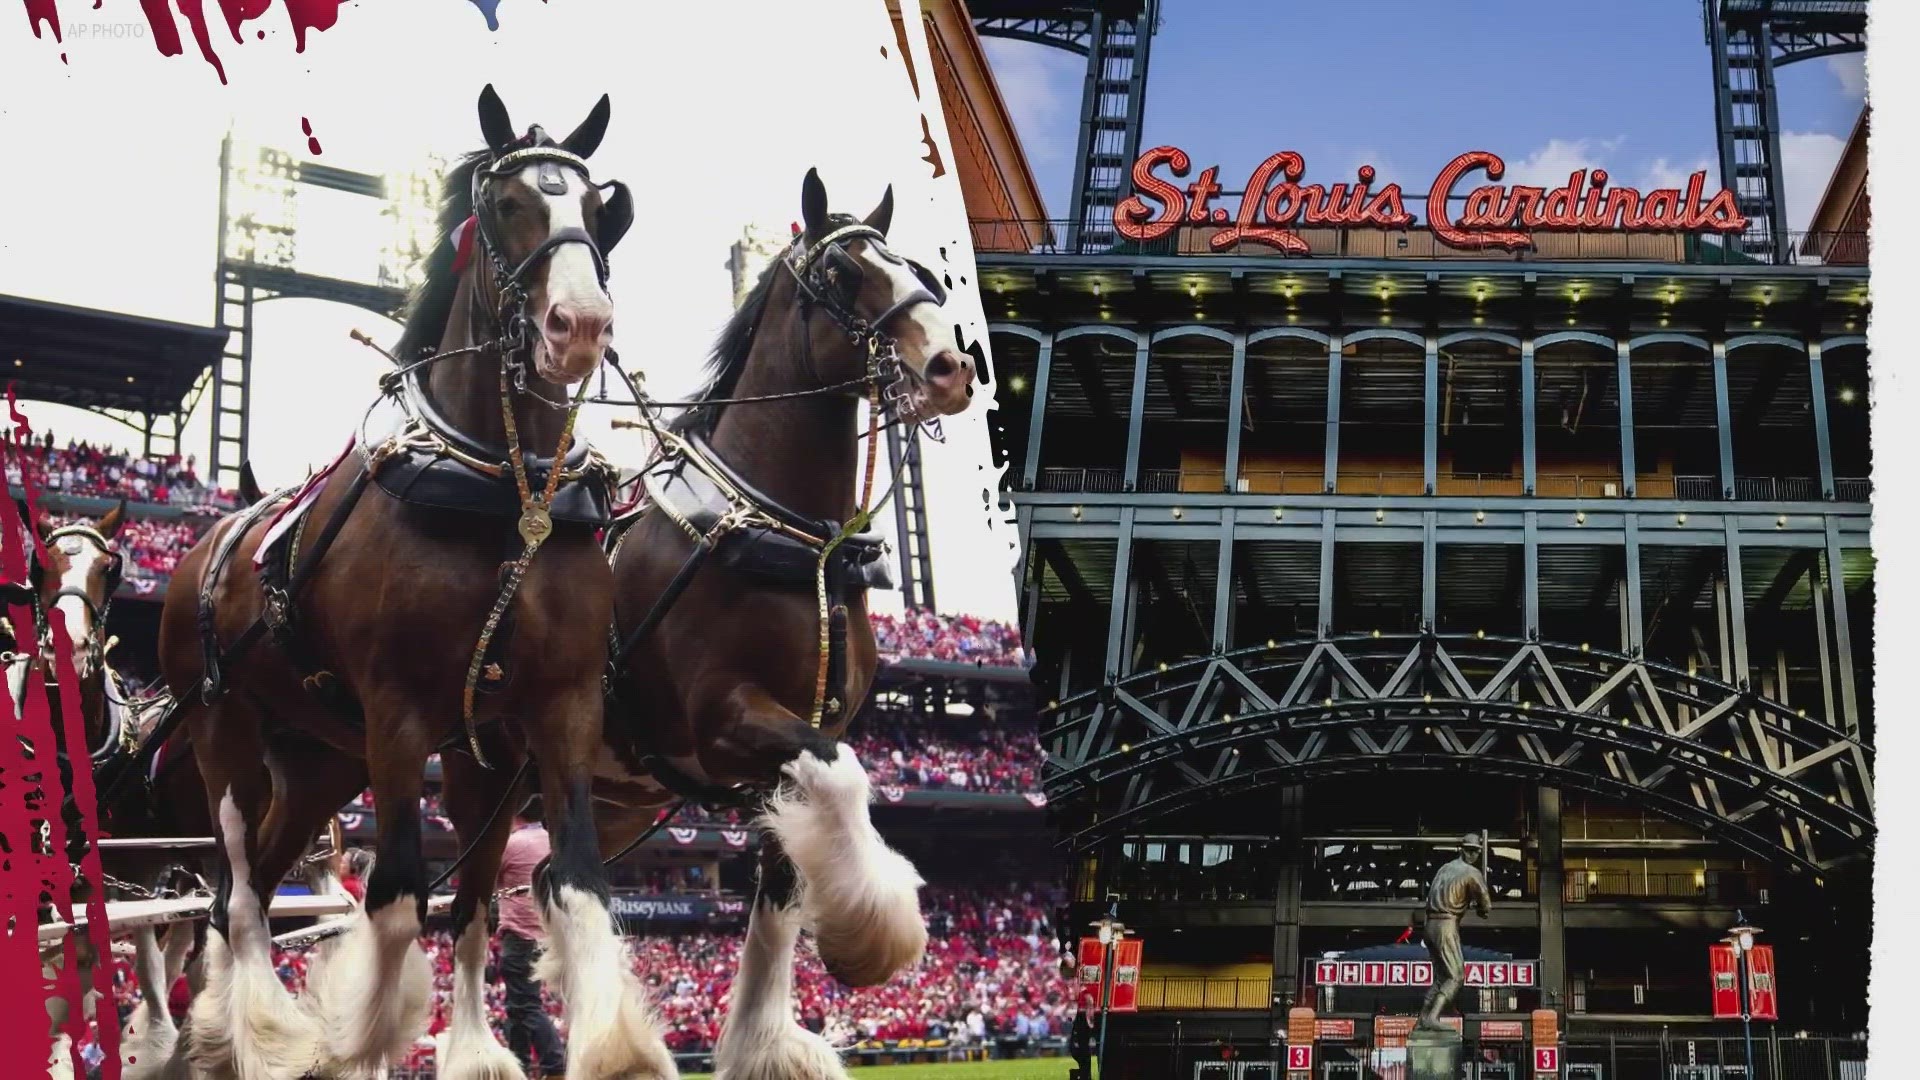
x,y
109,198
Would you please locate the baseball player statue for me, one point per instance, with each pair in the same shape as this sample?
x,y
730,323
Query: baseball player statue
x,y
1456,886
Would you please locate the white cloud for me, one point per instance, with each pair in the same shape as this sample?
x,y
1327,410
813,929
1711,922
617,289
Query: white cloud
x,y
1550,165
1807,159
1851,70
1044,99
1664,174
1343,166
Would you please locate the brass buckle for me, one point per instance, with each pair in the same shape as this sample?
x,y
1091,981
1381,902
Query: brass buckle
x,y
276,611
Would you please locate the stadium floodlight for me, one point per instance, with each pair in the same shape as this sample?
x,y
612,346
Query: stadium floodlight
x,y
412,212
262,211
758,245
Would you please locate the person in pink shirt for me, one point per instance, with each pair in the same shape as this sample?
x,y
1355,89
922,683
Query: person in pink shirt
x,y
529,1030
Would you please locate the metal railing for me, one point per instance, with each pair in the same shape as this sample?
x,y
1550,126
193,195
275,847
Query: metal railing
x,y
1054,236
1617,884
1205,992
1110,480
1682,1057
1852,489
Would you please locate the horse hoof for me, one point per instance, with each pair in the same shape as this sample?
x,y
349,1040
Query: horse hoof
x,y
789,1053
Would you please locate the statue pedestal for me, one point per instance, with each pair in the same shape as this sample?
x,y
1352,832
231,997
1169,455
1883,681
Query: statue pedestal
x,y
1433,1055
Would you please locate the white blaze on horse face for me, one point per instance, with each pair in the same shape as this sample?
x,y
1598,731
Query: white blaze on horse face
x,y
925,338
576,324
81,559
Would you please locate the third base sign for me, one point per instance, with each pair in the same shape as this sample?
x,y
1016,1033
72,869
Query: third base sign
x,y
1546,1059
1489,973
1299,1058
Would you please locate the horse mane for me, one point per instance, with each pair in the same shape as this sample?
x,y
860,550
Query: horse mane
x,y
432,300
728,359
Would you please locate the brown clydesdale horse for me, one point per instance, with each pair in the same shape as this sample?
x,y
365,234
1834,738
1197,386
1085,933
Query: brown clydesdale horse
x,y
720,693
372,674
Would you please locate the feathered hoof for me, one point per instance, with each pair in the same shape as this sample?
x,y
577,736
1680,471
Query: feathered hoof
x,y
370,1018
147,1048
791,1053
859,896
869,932
245,1025
628,1049
477,1057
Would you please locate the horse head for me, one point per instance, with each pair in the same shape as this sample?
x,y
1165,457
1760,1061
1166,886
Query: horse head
x,y
78,578
544,228
890,303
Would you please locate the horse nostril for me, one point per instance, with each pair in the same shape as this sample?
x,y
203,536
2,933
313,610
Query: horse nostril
x,y
941,366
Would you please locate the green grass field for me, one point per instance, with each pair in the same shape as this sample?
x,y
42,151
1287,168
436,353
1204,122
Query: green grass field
x,y
1020,1069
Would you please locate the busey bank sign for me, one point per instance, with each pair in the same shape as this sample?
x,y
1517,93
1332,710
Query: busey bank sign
x,y
675,908
1276,203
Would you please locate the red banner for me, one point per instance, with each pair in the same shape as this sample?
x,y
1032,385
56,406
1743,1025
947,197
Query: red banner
x,y
1126,975
1093,959
1507,1030
1725,971
1333,1029
1763,993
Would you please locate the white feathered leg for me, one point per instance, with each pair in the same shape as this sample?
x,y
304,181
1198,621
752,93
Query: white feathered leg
x,y
150,1033
373,986
760,1039
468,1050
612,1033
244,1022
859,896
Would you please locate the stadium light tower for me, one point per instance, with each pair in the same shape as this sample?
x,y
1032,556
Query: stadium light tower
x,y
413,217
258,260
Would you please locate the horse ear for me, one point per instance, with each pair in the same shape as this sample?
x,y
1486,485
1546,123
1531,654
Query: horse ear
x,y
495,127
586,138
882,215
249,485
109,525
813,203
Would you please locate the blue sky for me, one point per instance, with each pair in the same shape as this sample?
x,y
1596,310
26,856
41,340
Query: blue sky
x,y
1405,86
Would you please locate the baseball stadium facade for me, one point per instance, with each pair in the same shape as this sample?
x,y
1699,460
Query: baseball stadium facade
x,y
1537,514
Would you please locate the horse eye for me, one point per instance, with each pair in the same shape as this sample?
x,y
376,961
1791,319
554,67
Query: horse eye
x,y
507,206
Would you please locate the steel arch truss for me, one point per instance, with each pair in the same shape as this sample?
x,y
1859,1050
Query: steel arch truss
x,y
1743,768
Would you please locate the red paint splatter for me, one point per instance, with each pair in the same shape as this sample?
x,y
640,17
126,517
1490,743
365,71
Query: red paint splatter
x,y
313,144
44,11
303,15
31,793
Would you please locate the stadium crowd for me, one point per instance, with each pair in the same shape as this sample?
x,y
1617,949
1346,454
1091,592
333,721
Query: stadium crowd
x,y
152,547
80,468
913,753
990,977
921,634
898,751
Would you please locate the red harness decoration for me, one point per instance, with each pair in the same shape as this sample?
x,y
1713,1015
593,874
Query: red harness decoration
x,y
463,244
289,514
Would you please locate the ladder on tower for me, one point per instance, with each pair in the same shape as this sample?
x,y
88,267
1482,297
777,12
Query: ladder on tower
x,y
1111,108
231,379
1750,39
910,518
1114,36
